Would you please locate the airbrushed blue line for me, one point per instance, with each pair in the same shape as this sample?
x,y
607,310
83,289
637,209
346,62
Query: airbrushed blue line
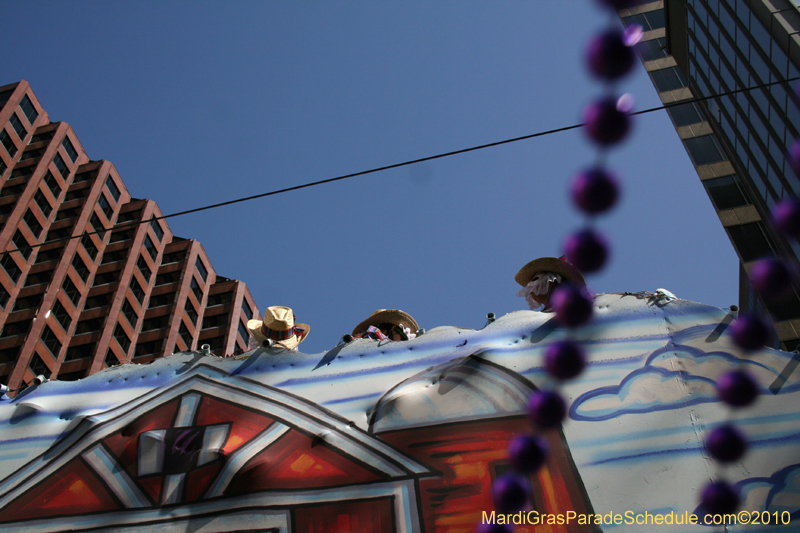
x,y
752,443
647,369
353,398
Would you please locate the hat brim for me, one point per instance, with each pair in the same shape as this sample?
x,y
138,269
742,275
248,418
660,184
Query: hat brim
x,y
550,264
392,316
254,327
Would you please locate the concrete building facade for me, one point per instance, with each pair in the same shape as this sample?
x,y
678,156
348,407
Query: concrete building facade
x,y
732,62
91,277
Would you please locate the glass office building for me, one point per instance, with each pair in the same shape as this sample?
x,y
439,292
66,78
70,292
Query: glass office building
x,y
734,63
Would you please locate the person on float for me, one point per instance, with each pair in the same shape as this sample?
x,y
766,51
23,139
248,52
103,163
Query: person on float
x,y
541,276
278,329
387,324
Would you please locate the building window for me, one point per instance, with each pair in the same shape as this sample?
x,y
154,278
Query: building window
x,y
653,49
122,338
31,302
119,236
84,176
704,150
18,127
3,167
5,96
3,296
246,308
144,269
33,223
218,299
137,291
198,292
72,376
157,231
167,277
668,79
190,311
82,351
111,359
52,184
112,188
38,367
11,268
130,313
160,300
113,257
186,337
58,161
105,278
22,245
69,149
685,114
108,211
71,291
42,202
726,192
750,241
173,257
652,20
93,302
50,340
14,329
27,108
150,248
38,278
98,226
129,216
62,317
201,268
80,267
154,323
215,321
88,245
146,348
12,190
8,143
88,326
244,332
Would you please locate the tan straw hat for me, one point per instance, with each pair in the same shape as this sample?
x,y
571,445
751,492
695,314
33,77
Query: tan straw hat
x,y
278,325
557,265
392,316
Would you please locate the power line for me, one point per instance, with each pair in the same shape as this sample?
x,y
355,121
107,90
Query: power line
x,y
389,167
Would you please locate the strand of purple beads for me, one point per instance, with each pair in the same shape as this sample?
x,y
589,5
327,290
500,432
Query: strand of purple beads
x,y
594,191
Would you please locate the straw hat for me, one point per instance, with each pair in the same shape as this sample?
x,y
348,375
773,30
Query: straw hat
x,y
392,316
278,325
556,265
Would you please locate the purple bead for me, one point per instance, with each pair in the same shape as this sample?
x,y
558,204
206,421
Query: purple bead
x,y
572,305
509,494
786,217
720,497
605,123
546,409
737,388
608,57
594,190
493,528
749,332
564,359
771,278
726,444
528,453
793,157
587,250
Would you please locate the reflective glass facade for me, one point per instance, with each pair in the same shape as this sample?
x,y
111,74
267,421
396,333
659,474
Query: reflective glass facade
x,y
734,56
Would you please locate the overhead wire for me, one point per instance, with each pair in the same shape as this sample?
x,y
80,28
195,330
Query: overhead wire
x,y
126,225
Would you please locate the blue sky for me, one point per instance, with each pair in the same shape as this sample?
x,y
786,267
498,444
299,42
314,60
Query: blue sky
x,y
197,103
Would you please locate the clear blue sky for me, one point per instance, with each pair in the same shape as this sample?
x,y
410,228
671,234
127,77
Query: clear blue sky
x,y
201,102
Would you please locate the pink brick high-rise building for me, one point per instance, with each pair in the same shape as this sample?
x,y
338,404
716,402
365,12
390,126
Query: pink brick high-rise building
x,y
114,285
